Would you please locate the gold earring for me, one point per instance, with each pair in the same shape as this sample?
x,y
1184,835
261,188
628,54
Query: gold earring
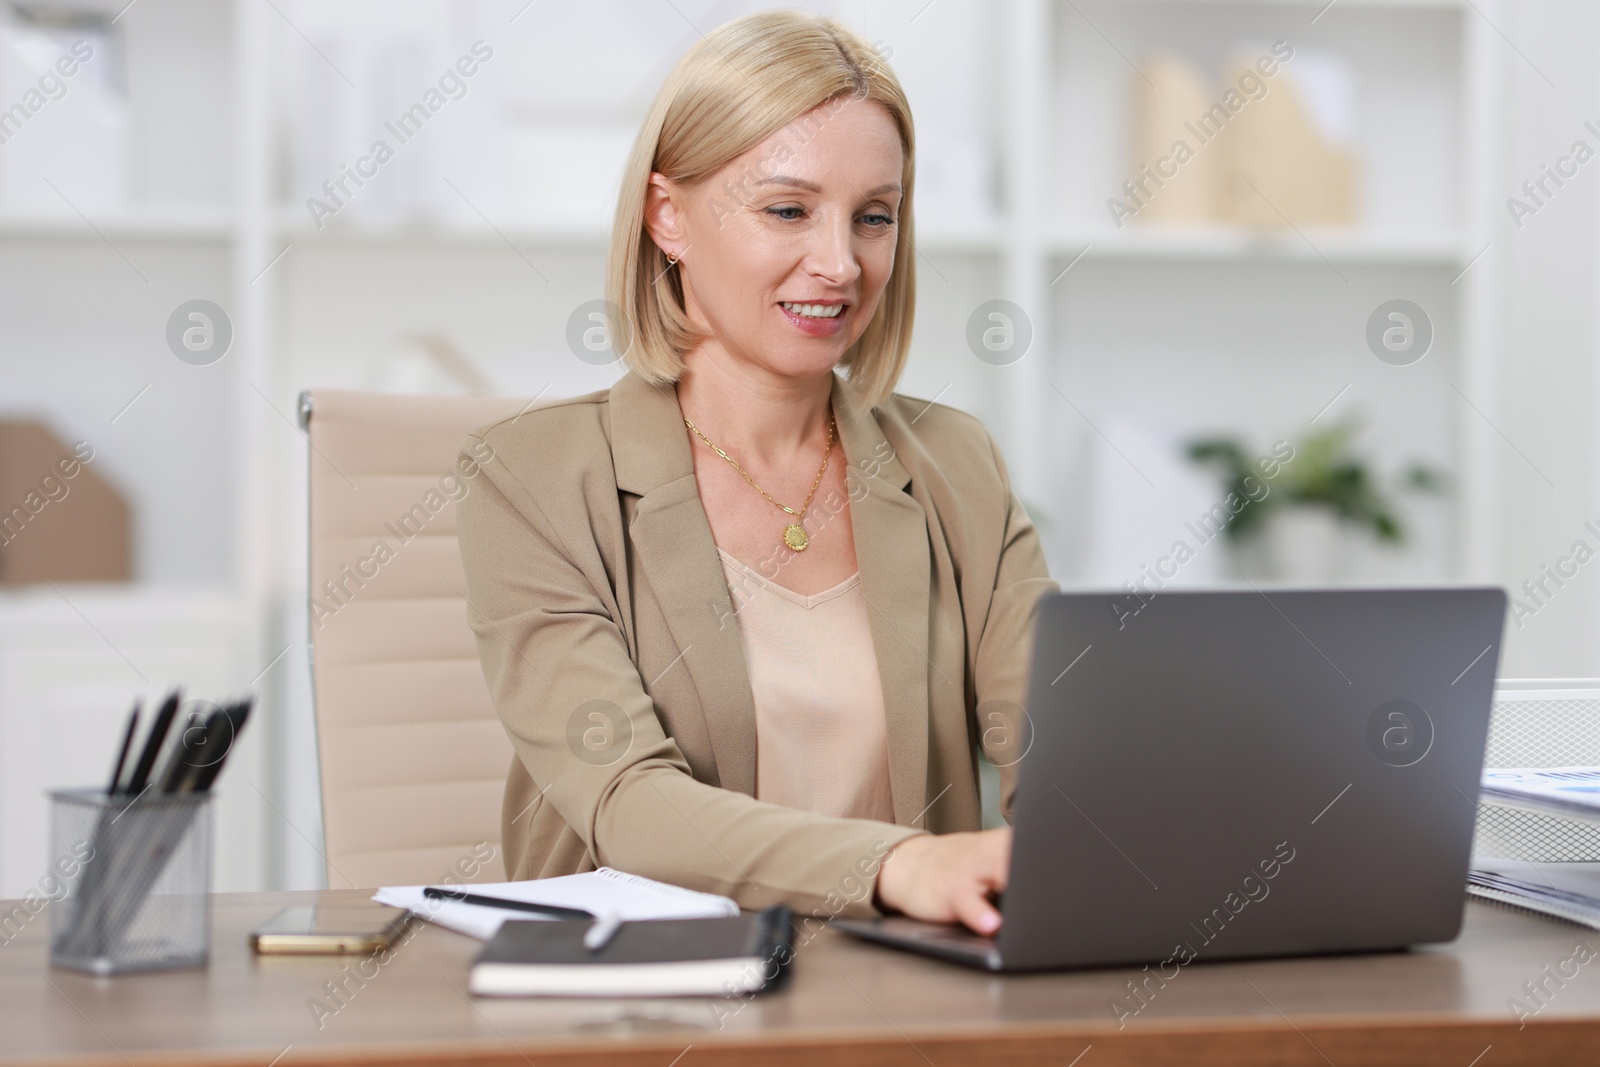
x,y
672,258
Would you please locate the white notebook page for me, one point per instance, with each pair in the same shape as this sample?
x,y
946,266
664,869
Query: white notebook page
x,y
603,891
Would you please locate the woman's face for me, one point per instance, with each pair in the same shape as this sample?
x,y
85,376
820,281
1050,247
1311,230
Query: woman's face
x,y
786,250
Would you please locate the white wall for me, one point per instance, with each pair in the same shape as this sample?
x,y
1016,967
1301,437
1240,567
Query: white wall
x,y
1551,401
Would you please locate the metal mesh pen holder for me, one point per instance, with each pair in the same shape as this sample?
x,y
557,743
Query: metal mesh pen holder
x,y
139,901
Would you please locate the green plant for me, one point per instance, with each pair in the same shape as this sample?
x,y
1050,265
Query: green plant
x,y
1323,472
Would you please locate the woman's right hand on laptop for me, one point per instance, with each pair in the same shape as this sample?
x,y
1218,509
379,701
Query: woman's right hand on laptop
x,y
947,877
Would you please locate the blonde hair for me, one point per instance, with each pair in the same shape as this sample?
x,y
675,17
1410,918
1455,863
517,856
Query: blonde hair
x,y
741,83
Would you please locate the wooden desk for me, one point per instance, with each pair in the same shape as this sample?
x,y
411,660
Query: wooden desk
x,y
849,1004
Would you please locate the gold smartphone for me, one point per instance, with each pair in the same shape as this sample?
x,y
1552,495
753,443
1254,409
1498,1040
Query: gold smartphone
x,y
351,930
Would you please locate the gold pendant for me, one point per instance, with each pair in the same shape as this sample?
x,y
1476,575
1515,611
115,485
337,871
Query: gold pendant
x,y
794,535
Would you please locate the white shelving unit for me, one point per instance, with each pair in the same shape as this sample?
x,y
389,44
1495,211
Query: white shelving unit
x,y
84,300
1159,334
163,227
1141,336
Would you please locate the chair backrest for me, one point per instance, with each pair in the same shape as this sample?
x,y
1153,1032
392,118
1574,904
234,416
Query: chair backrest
x,y
413,756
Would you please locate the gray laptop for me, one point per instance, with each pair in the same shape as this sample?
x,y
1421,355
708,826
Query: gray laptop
x,y
1218,775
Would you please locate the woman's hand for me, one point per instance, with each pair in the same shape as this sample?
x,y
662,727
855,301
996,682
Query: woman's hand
x,y
947,877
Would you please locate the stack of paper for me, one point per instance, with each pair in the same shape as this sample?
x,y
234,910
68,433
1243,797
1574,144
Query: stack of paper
x,y
605,891
1568,891
1567,791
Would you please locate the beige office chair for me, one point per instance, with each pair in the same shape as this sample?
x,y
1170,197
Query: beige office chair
x,y
413,756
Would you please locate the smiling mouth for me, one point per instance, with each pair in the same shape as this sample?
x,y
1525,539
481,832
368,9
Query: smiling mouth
x,y
813,311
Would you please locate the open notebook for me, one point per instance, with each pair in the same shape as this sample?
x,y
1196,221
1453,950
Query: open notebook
x,y
606,890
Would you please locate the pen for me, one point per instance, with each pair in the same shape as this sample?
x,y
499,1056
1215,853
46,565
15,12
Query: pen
x,y
152,744
173,766
235,715
190,759
127,743
604,928
554,911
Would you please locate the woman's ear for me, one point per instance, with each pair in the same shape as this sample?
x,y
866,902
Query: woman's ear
x,y
662,215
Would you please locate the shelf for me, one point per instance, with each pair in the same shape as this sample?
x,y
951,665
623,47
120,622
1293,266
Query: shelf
x,y
1252,246
119,599
966,237
293,226
151,225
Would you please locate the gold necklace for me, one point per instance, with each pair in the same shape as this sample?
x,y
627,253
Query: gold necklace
x,y
794,534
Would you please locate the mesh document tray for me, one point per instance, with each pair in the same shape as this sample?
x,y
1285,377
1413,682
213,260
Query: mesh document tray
x,y
1541,722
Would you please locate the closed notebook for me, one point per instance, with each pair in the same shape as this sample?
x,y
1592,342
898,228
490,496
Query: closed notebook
x,y
659,958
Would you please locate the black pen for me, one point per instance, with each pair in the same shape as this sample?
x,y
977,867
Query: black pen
x,y
554,911
152,744
172,766
235,716
127,743
189,760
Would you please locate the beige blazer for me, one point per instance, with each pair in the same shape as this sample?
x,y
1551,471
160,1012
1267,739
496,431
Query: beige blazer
x,y
609,643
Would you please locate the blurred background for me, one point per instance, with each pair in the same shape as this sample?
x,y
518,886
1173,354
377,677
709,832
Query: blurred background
x,y
1165,249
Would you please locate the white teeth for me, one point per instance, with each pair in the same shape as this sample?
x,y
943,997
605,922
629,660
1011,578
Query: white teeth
x,y
815,311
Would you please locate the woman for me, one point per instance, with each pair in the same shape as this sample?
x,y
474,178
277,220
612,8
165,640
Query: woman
x,y
746,620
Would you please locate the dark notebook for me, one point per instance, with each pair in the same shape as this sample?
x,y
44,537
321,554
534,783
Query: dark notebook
x,y
653,958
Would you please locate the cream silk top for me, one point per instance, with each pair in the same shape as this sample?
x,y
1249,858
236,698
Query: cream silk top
x,y
822,740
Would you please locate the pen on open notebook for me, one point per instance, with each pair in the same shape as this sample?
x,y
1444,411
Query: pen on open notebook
x,y
555,911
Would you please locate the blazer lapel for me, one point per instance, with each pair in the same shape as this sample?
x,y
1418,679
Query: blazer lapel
x,y
672,537
891,537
